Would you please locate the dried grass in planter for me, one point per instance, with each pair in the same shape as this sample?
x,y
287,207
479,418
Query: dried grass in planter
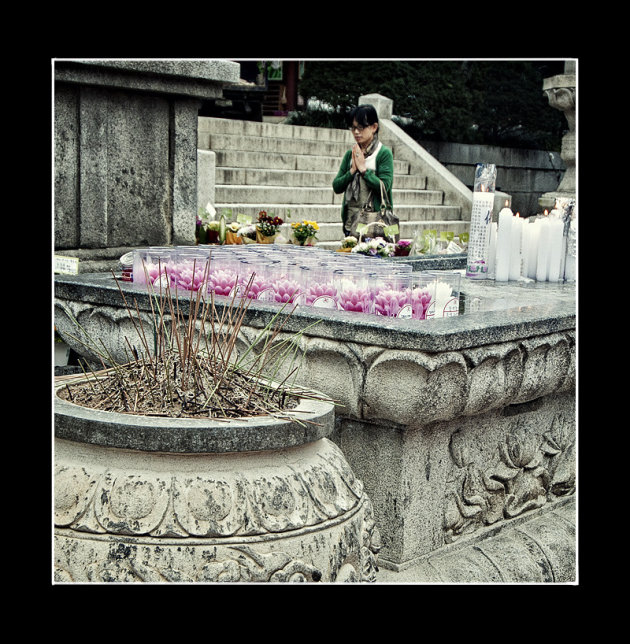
x,y
182,371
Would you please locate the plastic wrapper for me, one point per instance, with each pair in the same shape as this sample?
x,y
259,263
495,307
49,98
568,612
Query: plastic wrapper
x,y
480,220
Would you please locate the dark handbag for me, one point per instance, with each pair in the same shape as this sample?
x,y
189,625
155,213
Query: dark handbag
x,y
371,223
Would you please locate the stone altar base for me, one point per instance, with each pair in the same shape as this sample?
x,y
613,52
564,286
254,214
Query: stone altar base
x,y
461,429
452,491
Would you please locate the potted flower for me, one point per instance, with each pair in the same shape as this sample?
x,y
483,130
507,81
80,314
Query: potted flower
x,y
267,227
231,233
248,234
305,232
347,244
207,229
376,247
402,248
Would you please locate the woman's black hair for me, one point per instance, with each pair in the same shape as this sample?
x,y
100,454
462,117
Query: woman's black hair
x,y
364,115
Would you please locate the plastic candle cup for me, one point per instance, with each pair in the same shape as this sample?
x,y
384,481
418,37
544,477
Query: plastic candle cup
x,y
353,293
150,264
285,285
254,271
319,291
422,295
189,270
222,280
447,290
390,302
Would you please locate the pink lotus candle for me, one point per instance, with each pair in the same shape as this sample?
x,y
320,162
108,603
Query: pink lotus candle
x,y
285,290
420,301
222,281
355,299
390,302
320,295
353,291
152,266
188,278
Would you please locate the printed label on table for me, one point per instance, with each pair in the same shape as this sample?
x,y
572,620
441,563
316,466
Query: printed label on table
x,y
406,312
66,265
451,308
325,302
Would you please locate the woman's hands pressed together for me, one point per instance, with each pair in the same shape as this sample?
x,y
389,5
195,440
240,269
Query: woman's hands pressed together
x,y
358,160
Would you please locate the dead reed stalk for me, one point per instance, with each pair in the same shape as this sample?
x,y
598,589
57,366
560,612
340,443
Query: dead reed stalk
x,y
192,369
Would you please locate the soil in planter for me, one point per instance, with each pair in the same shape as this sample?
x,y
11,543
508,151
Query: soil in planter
x,y
168,388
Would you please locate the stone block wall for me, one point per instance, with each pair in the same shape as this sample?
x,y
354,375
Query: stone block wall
x,y
523,174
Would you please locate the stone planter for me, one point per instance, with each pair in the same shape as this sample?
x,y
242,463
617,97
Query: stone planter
x,y
155,499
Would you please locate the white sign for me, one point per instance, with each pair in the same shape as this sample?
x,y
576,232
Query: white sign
x,y
66,265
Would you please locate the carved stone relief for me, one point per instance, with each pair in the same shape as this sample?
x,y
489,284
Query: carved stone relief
x,y
526,471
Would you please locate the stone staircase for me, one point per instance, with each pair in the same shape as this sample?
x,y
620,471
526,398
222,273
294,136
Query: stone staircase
x,y
286,168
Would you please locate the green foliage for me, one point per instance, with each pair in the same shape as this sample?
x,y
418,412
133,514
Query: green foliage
x,y
487,102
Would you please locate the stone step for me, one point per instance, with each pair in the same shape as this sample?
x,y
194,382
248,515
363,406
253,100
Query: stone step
x,y
276,145
288,171
299,178
208,125
333,233
253,194
287,161
331,213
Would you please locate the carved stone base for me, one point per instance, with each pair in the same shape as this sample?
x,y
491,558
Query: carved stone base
x,y
450,482
289,515
262,499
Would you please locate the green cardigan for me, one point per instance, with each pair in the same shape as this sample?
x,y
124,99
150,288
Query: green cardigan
x,y
384,171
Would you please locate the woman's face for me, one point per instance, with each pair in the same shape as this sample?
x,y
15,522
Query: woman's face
x,y
363,135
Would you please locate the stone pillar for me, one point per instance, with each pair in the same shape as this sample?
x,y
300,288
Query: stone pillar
x,y
126,153
560,91
384,106
206,177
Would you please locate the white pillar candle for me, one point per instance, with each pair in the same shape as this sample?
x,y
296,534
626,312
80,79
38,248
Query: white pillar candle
x,y
515,247
492,250
504,240
556,242
526,235
534,235
542,256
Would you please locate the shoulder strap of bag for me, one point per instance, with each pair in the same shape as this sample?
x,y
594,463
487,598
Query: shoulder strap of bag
x,y
384,199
